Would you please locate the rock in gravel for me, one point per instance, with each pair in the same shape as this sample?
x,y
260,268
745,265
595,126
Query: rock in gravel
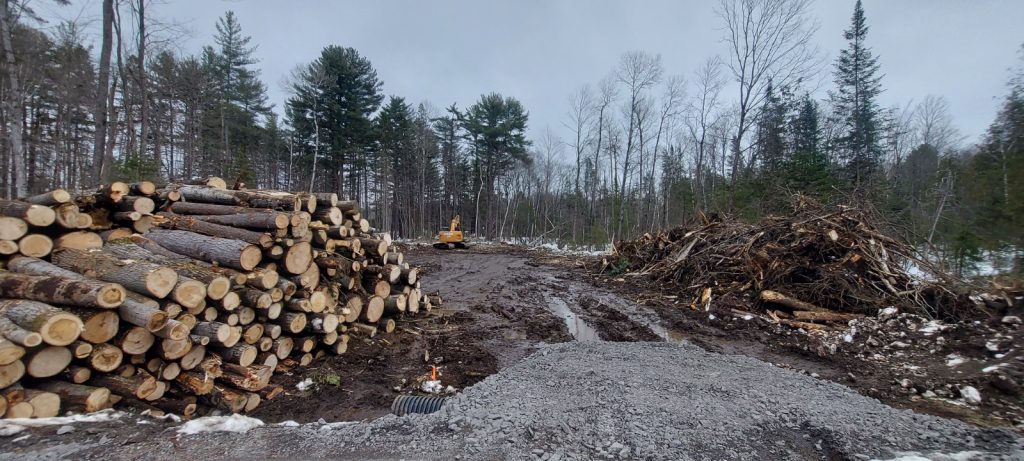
x,y
682,403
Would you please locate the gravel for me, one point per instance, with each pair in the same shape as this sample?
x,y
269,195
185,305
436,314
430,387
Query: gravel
x,y
605,400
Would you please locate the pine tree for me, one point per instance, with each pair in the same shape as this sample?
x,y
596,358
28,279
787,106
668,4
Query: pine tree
x,y
808,170
856,109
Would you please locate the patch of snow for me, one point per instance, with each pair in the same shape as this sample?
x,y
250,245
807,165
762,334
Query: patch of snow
x,y
711,316
848,338
995,367
887,312
970,395
992,345
954,360
9,427
233,423
304,384
748,317
915,456
432,386
288,423
932,326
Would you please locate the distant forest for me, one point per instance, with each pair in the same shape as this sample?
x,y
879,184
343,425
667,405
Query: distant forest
x,y
647,150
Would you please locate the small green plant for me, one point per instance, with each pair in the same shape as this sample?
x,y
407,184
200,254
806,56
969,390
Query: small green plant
x,y
619,266
331,379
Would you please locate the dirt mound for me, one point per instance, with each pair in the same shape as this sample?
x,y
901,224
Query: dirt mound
x,y
827,263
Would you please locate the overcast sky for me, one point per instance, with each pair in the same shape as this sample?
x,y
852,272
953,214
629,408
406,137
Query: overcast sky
x,y
542,51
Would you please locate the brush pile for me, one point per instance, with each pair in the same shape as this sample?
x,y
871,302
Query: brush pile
x,y
186,297
809,268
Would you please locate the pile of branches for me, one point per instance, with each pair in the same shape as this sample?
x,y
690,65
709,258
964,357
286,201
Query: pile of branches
x,y
825,262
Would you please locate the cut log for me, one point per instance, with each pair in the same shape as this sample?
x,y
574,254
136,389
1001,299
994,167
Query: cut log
x,y
79,240
105,358
60,290
46,361
8,247
241,354
11,373
139,386
78,396
410,275
135,340
173,330
67,215
373,309
143,205
140,311
55,326
35,245
80,349
76,374
174,349
292,322
142,188
193,357
36,215
53,197
824,316
228,252
792,303
216,331
44,404
191,224
395,304
19,335
144,277
248,220
226,399
247,377
10,352
298,258
12,228
253,297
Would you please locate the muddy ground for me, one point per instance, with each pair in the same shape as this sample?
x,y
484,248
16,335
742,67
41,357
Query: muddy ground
x,y
502,303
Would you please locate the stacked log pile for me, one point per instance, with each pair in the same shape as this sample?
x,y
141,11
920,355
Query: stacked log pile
x,y
185,297
815,268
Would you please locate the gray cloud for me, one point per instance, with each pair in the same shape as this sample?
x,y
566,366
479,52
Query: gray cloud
x,y
542,51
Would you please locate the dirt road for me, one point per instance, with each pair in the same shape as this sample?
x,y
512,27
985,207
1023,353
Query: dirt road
x,y
627,383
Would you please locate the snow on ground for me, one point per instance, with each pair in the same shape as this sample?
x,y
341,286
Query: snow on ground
x,y
234,423
15,425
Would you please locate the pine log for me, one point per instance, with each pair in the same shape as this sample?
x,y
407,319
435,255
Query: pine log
x,y
309,279
253,297
409,275
248,220
35,245
36,215
283,346
228,252
395,304
57,327
46,361
142,276
12,228
355,308
144,205
292,322
60,290
323,323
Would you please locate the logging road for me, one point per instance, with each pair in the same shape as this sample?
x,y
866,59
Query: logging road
x,y
627,388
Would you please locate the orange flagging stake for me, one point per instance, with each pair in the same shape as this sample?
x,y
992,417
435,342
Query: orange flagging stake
x,y
433,372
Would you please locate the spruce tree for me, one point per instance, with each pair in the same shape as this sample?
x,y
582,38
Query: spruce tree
x,y
858,84
808,170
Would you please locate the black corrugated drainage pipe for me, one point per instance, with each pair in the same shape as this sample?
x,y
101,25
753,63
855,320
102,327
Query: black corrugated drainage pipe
x,y
405,404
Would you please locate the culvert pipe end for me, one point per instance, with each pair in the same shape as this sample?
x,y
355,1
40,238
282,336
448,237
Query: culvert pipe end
x,y
406,404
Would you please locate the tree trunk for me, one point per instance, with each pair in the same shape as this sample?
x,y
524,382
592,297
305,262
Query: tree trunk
x,y
59,290
13,107
200,226
36,215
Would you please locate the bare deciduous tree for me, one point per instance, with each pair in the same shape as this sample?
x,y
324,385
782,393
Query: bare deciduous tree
x,y
769,42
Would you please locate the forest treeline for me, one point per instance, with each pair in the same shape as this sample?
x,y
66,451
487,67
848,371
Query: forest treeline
x,y
639,149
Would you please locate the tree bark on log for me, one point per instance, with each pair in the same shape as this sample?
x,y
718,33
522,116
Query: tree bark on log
x,y
59,290
227,252
139,386
191,224
57,327
78,396
141,276
36,215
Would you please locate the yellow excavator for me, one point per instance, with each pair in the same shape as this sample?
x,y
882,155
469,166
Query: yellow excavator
x,y
452,237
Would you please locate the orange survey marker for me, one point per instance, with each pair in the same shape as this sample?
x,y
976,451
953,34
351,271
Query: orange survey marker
x,y
433,372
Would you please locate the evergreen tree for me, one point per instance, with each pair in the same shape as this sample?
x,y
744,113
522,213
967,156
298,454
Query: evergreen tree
x,y
856,109
807,170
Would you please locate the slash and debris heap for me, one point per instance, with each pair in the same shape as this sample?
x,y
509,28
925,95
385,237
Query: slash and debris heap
x,y
816,265
185,297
